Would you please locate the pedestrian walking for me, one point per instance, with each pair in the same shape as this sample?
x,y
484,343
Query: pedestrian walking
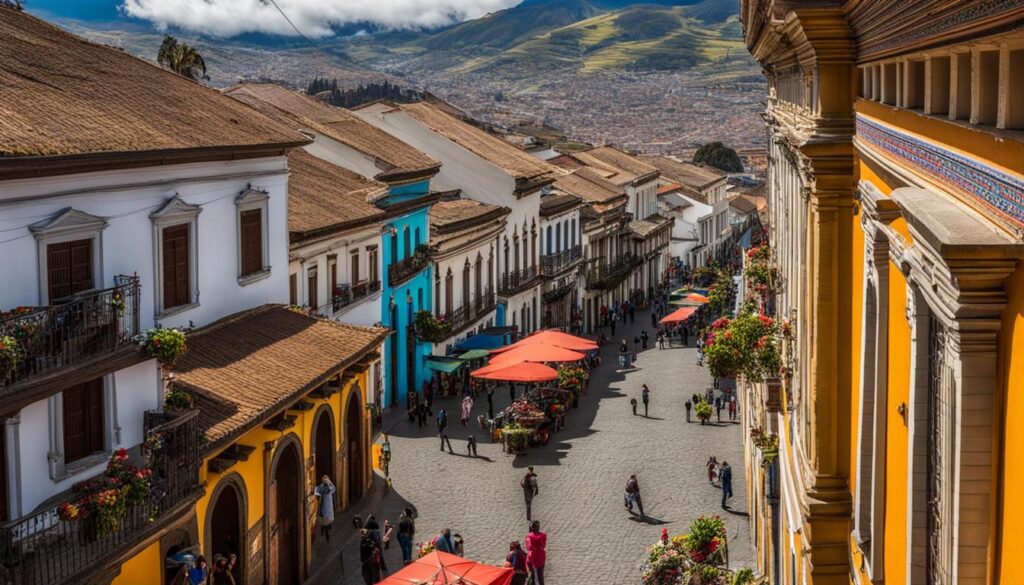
x,y
490,402
725,476
467,408
444,543
732,409
324,493
406,532
661,340
689,405
654,319
712,466
633,495
421,414
623,354
636,344
718,408
613,327
442,421
530,489
632,402
643,338
536,553
373,528
471,445
369,556
516,560
460,545
645,395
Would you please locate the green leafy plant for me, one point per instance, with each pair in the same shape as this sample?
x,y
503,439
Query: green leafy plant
x,y
767,443
103,503
164,344
703,410
743,576
688,559
10,355
515,436
571,377
747,345
177,399
431,329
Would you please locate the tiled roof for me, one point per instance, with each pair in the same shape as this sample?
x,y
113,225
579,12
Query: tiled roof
x,y
621,168
246,368
743,204
688,174
670,188
445,213
557,203
494,150
392,156
61,95
322,195
588,186
647,226
675,201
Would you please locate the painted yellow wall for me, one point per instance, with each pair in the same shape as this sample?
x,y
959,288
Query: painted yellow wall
x,y
1010,508
896,431
144,568
857,321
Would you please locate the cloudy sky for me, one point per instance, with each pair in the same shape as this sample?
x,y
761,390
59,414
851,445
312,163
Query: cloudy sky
x,y
225,18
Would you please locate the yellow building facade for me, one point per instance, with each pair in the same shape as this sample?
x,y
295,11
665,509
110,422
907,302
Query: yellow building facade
x,y
266,450
896,194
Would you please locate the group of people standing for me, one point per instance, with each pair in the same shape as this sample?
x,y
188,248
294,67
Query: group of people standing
x,y
374,540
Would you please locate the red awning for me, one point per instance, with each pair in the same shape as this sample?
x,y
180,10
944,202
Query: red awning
x,y
537,352
439,568
521,372
556,338
679,315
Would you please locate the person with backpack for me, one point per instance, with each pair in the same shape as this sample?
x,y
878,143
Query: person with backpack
x,y
516,560
633,495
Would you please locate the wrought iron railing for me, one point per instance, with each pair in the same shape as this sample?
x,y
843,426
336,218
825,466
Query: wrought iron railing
x,y
468,313
403,270
71,331
347,294
553,264
517,280
43,549
603,276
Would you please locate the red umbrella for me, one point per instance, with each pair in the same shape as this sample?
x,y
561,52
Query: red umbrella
x,y
679,315
440,568
556,338
537,352
521,372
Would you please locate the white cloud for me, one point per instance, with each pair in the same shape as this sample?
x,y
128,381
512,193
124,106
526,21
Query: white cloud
x,y
226,18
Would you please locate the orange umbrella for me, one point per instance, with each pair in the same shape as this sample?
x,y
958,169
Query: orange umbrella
x,y
696,297
521,372
440,568
556,338
679,315
537,352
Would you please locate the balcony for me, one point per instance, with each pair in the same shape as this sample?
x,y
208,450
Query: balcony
x,y
346,295
403,270
551,265
517,281
81,330
606,276
464,316
42,549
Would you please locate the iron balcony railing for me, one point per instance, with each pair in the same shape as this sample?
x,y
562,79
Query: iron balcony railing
x,y
518,280
403,270
43,549
347,294
552,265
603,276
68,333
468,313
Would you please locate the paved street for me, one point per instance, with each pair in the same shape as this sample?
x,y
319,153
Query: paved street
x,y
582,471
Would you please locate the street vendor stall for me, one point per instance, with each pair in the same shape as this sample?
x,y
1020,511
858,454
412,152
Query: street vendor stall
x,y
537,352
555,338
440,568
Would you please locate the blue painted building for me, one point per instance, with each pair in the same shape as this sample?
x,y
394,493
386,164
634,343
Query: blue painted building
x,y
407,278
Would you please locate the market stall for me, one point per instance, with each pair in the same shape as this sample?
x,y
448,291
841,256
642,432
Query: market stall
x,y
439,568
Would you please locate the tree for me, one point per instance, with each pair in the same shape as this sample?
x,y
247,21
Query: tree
x,y
720,156
182,59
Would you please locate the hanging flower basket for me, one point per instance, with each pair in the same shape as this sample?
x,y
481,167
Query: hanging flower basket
x,y
103,503
10,355
430,329
164,344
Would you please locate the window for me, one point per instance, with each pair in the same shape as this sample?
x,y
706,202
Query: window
x,y
83,420
550,249
465,283
913,93
572,230
293,289
1015,90
372,261
252,235
960,84
406,242
176,266
417,239
311,288
175,227
889,83
938,86
332,275
437,294
354,267
558,240
69,268
449,291
988,88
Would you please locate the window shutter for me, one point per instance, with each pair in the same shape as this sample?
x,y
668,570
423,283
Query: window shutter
x,y
251,241
83,420
293,289
69,268
176,266
312,290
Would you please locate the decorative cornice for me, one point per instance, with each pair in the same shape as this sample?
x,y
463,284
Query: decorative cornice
x,y
67,220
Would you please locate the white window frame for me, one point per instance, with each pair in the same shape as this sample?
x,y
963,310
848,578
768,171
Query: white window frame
x,y
59,471
248,200
68,225
174,213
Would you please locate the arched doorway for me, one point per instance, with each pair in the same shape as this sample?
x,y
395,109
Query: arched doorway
x,y
323,446
354,435
286,517
225,526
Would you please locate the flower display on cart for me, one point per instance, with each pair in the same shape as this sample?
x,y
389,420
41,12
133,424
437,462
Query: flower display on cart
x,y
696,558
164,344
526,414
571,377
425,548
104,502
516,437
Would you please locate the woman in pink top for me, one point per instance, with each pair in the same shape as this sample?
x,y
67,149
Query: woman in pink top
x,y
536,541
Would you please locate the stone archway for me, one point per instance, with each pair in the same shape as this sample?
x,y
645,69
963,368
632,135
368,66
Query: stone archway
x,y
226,523
322,441
354,444
284,497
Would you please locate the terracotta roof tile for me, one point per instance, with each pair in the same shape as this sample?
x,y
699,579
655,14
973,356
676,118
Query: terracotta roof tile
x,y
322,195
688,174
61,95
449,212
246,368
301,111
588,186
647,226
623,167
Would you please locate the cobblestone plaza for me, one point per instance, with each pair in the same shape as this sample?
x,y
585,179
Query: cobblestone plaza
x,y
581,475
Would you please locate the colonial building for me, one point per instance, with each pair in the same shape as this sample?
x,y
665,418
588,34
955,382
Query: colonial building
x,y
686,210
489,170
896,204
359,226
560,259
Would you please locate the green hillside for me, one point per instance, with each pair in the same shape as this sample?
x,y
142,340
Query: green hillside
x,y
508,28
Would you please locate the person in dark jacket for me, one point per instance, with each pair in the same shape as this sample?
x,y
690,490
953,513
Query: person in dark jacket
x,y
406,532
725,476
369,556
516,560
